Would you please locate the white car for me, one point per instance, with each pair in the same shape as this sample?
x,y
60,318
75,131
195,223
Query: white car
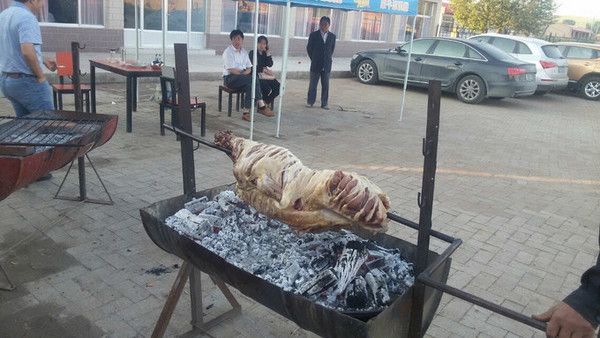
x,y
551,66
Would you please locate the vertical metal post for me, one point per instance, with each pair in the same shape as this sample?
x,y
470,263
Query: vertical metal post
x,y
286,47
78,108
137,32
184,118
254,75
165,7
425,201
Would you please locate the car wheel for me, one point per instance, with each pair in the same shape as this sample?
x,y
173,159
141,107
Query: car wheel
x,y
367,72
471,89
590,88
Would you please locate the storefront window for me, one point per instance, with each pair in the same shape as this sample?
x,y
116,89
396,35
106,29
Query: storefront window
x,y
371,26
198,15
67,11
129,12
92,12
240,15
153,14
307,20
177,15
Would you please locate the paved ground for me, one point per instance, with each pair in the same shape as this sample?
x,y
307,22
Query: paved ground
x,y
518,181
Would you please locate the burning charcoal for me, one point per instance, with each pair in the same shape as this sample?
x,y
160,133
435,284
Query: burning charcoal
x,y
196,205
357,295
323,262
292,271
320,283
376,280
353,257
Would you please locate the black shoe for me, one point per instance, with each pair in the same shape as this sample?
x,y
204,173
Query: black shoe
x,y
45,177
325,107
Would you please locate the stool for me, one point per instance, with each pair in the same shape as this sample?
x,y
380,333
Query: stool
x,y
238,92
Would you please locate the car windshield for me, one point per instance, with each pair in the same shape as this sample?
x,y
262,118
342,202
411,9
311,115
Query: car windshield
x,y
552,51
495,52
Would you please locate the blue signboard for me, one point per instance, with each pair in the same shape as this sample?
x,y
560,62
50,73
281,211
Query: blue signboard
x,y
400,7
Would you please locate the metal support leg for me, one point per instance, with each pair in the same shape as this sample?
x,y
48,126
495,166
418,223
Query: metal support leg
x,y
129,99
203,121
229,105
82,184
196,298
162,119
9,286
220,99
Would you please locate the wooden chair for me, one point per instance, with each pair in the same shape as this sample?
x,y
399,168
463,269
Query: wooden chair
x,y
169,100
64,68
239,94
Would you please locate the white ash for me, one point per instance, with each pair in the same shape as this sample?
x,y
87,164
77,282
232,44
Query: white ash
x,y
336,269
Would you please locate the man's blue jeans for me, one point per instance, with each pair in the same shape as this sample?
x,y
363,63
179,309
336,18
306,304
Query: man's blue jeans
x,y
26,94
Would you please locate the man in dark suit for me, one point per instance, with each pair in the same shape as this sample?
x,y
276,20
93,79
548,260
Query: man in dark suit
x,y
320,47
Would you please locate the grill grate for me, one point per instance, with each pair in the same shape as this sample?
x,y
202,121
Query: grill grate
x,y
45,130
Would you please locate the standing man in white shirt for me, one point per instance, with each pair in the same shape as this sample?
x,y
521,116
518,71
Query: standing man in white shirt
x,y
237,74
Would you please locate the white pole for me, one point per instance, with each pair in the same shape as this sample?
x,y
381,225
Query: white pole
x,y
254,61
164,31
412,38
137,33
286,45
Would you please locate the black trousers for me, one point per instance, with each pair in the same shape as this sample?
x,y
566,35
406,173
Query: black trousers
x,y
270,90
244,82
312,88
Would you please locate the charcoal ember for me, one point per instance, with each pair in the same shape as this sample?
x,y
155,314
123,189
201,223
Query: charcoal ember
x,y
292,271
319,284
357,296
197,205
315,265
324,261
377,282
352,258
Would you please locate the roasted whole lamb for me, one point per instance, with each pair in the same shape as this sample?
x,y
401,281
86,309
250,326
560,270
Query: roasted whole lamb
x,y
277,184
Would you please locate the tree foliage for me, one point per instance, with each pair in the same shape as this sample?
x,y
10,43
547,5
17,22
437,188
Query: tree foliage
x,y
529,17
569,22
594,27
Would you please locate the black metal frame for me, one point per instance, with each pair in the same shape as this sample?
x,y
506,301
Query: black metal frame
x,y
425,202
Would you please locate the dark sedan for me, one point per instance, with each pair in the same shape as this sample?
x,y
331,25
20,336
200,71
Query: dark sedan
x,y
470,69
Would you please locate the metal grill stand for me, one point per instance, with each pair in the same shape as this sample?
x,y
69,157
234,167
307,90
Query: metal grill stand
x,y
418,320
76,79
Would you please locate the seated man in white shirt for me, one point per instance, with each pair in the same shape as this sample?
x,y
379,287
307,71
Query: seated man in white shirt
x,y
237,74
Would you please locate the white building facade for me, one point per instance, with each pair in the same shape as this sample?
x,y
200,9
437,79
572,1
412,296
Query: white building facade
x,y
205,24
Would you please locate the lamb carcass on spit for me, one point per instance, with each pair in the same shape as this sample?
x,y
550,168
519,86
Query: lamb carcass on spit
x,y
277,184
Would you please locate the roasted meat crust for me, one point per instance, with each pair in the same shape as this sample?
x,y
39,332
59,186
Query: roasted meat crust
x,y
275,182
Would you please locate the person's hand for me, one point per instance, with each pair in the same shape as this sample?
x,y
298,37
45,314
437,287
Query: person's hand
x,y
268,71
50,64
247,71
563,321
41,79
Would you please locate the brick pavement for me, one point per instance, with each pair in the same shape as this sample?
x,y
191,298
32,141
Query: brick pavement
x,y
518,181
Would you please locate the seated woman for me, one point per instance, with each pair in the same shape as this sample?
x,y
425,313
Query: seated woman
x,y
268,84
237,74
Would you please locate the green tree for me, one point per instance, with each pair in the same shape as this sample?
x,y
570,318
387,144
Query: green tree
x,y
569,22
529,17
